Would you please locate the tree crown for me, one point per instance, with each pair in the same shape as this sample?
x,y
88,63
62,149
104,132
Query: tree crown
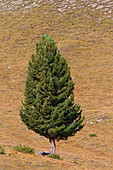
x,y
48,107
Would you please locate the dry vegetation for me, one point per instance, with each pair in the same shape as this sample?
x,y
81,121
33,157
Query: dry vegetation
x,y
84,35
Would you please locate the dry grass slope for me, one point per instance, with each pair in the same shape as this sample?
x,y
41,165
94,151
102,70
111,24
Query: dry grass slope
x,y
83,32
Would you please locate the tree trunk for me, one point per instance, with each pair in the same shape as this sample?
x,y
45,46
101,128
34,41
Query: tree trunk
x,y
52,146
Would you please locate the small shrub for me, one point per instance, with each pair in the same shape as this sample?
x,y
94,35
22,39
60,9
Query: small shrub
x,y
54,156
75,162
25,149
2,150
92,135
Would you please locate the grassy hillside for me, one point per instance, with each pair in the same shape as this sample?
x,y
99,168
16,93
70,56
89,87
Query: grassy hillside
x,y
83,32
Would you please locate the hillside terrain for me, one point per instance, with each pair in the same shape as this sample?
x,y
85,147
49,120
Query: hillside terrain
x,y
83,32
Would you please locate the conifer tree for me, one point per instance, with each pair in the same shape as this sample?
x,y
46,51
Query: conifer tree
x,y
48,107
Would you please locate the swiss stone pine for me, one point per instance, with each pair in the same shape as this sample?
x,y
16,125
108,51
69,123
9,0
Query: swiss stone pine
x,y
48,107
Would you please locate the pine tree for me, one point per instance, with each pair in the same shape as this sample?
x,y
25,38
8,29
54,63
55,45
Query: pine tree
x,y
48,107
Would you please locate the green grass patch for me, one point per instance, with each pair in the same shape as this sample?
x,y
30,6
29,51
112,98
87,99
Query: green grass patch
x,y
75,162
24,149
92,135
2,151
54,156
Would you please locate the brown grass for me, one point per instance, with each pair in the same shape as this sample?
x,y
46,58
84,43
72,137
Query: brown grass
x,y
87,45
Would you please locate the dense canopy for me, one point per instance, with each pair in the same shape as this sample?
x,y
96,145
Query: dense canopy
x,y
48,107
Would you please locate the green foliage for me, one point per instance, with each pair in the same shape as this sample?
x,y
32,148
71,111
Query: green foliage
x,y
2,151
75,162
54,156
92,135
25,149
48,107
